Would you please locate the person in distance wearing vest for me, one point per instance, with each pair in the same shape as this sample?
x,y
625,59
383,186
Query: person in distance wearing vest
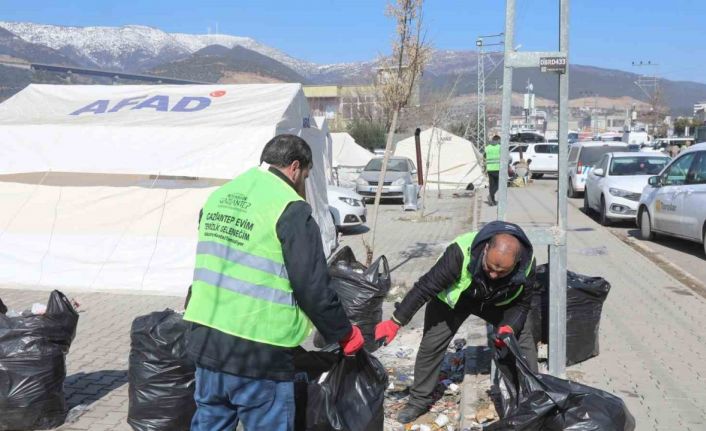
x,y
260,281
490,274
492,167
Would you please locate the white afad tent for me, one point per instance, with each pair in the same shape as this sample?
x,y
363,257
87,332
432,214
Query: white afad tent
x,y
347,152
101,186
451,161
348,158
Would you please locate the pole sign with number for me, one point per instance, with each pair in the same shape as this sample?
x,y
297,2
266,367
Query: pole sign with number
x,y
552,64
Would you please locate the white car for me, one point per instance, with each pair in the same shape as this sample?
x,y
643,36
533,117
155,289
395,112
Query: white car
x,y
614,186
583,156
544,156
346,206
674,202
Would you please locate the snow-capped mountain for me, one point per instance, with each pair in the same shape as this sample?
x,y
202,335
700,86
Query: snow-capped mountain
x,y
137,47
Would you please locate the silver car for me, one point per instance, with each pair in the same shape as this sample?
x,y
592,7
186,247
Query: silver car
x,y
400,172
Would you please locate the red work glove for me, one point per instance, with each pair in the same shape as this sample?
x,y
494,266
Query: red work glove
x,y
353,342
503,330
386,331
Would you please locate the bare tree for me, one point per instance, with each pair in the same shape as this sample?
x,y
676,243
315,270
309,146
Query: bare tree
x,y
398,78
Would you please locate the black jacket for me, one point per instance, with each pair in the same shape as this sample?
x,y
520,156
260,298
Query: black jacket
x,y
483,291
308,274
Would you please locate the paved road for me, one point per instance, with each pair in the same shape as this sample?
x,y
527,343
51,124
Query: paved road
x,y
688,256
651,336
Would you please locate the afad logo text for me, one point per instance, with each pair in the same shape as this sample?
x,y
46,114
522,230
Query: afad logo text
x,y
160,103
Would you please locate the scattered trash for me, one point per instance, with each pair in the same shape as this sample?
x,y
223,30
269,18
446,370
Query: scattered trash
x,y
38,309
584,303
533,401
33,352
404,352
441,420
161,377
361,291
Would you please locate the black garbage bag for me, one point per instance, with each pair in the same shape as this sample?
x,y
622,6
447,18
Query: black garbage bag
x,y
161,377
350,397
3,308
534,402
361,291
33,366
585,296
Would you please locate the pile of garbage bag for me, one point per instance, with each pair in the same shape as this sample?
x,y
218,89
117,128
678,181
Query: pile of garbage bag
x,y
361,291
161,376
585,296
336,393
534,402
33,350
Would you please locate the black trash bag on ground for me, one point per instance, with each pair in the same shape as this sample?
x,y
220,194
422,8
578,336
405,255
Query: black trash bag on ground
x,y
361,291
33,366
585,296
534,402
3,308
161,377
350,397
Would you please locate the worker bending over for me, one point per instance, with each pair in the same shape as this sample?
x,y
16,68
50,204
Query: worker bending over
x,y
488,273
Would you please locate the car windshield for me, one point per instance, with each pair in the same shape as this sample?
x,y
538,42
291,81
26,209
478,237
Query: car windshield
x,y
637,165
393,165
591,155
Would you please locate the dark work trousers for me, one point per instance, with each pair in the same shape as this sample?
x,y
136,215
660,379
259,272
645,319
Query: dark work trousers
x,y
440,325
493,179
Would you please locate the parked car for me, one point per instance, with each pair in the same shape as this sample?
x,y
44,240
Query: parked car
x,y
582,157
400,172
346,206
674,202
614,186
544,156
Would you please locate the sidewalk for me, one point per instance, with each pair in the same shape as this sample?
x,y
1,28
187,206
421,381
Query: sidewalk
x,y
652,343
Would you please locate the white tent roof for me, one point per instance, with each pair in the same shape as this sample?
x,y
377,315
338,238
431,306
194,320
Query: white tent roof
x,y
346,152
452,161
87,176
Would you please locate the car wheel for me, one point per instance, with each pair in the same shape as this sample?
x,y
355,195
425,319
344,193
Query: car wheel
x,y
586,207
646,226
570,191
603,217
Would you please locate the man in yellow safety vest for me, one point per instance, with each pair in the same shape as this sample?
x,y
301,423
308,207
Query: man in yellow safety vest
x,y
488,273
260,282
492,167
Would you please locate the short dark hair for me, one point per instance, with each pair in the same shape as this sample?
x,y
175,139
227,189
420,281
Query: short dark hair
x,y
496,138
283,150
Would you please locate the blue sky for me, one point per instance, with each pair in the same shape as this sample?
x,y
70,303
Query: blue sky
x,y
605,33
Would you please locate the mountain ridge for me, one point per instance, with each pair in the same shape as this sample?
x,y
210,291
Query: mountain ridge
x,y
144,49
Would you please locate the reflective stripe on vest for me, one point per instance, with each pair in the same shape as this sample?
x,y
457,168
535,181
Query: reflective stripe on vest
x,y
241,286
451,295
236,256
492,157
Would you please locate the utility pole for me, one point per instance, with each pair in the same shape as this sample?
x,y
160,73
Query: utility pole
x,y
556,62
649,84
481,133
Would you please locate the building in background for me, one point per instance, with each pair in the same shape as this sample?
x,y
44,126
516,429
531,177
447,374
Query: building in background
x,y
341,104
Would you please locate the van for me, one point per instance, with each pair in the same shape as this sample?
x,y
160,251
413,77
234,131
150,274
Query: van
x,y
642,139
582,157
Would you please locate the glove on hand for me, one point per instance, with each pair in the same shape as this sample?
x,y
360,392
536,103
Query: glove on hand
x,y
503,330
386,331
353,342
